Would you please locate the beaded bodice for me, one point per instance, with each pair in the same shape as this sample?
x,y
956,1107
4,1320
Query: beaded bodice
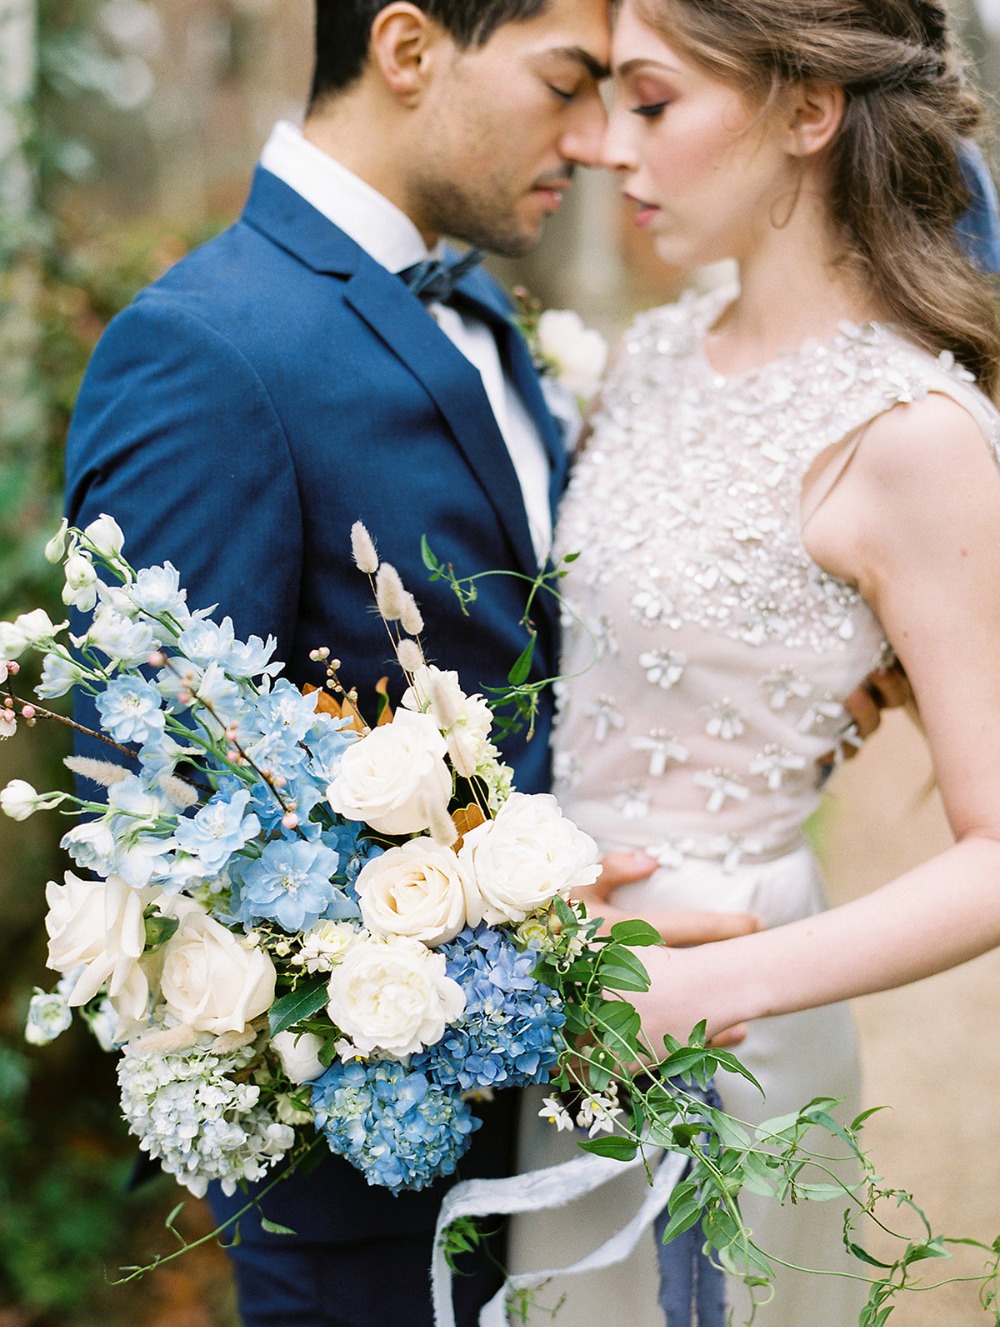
x,y
707,655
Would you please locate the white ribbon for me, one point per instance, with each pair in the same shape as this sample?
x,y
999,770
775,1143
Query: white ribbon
x,y
541,1190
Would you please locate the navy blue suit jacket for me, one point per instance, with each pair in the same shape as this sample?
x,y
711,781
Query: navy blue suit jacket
x,y
274,387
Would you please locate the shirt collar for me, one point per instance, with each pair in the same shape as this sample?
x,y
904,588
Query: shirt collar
x,y
373,222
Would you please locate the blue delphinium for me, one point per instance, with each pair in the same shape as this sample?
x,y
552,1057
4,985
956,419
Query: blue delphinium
x,y
220,828
397,1127
509,1033
290,883
130,709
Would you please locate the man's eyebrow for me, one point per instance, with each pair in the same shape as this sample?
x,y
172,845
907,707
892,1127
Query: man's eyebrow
x,y
583,57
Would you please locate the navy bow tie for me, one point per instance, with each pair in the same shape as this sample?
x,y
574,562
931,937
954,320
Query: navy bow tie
x,y
434,281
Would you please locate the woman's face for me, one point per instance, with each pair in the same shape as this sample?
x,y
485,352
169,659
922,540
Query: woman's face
x,y
707,170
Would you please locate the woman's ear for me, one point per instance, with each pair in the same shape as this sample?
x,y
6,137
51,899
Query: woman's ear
x,y
402,37
815,114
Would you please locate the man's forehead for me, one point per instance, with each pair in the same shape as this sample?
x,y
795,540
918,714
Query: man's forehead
x,y
574,31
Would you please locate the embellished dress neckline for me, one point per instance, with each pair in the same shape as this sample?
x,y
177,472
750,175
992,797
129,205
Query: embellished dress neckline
x,y
710,655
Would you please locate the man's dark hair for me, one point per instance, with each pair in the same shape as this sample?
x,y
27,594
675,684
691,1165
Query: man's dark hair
x,y
343,32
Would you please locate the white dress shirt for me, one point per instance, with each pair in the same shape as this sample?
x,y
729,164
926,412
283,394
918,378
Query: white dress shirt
x,y
390,237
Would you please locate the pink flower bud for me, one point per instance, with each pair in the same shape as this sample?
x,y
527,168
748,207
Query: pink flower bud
x,y
28,712
290,821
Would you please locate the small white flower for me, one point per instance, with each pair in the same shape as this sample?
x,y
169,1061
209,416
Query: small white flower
x,y
106,537
556,1113
599,1112
29,630
49,1014
80,590
55,549
19,800
326,944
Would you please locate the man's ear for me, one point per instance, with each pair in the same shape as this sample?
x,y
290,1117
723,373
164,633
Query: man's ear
x,y
402,39
815,112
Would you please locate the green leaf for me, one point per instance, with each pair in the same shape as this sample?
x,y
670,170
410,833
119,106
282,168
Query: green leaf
x,y
636,932
273,1228
522,665
689,1216
621,1149
307,999
864,1257
429,559
621,970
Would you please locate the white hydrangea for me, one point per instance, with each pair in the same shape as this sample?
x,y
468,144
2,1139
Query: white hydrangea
x,y
189,1112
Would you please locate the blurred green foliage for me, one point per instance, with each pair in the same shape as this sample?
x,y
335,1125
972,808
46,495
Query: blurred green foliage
x,y
65,1215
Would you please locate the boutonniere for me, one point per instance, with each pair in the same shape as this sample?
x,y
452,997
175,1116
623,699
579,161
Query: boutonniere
x,y
561,345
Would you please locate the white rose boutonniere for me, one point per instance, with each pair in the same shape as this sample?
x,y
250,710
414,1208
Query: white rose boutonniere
x,y
562,346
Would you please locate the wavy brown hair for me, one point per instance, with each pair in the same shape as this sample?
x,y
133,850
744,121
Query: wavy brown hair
x,y
897,189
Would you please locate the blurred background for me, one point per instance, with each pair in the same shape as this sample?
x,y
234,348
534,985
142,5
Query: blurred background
x,y
128,130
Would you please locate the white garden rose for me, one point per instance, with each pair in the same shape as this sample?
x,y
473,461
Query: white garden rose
x,y
393,996
97,926
465,720
578,353
394,778
210,981
299,1055
522,859
418,889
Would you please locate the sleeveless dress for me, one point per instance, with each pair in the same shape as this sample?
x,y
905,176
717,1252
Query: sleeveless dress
x,y
706,661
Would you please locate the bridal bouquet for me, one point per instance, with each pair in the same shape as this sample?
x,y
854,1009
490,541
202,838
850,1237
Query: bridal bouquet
x,y
289,923
300,929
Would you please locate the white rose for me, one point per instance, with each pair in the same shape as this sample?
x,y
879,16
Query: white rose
x,y
210,981
299,1055
105,534
578,353
465,720
418,889
98,926
393,778
393,996
525,857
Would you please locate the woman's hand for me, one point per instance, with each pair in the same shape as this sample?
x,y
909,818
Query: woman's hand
x,y
679,927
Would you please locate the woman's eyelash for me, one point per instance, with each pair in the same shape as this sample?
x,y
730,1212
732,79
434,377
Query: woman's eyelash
x,y
651,108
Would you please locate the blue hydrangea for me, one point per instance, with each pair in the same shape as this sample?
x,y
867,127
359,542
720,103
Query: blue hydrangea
x,y
398,1128
130,709
290,884
509,1033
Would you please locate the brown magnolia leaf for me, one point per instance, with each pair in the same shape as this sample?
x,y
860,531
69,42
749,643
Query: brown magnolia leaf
x,y
466,818
340,709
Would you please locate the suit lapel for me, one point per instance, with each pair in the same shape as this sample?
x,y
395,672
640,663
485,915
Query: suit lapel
x,y
402,323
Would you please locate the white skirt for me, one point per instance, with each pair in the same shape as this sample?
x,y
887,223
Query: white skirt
x,y
794,1057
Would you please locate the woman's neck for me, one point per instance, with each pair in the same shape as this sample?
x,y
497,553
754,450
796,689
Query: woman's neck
x,y
793,288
